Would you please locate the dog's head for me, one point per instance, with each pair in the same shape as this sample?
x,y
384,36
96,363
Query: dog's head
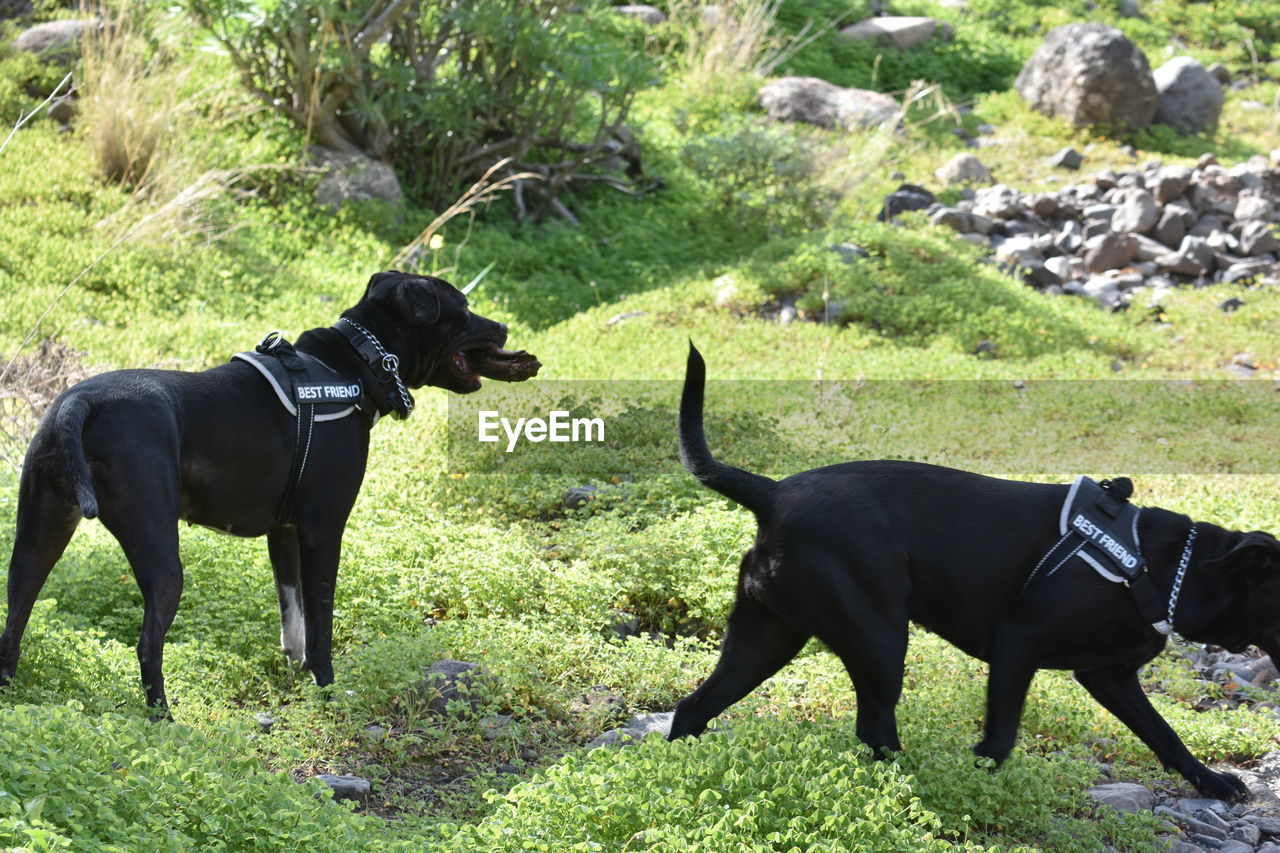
x,y
1251,570
438,339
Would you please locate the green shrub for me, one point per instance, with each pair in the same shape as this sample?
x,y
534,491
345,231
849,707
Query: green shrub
x,y
768,178
443,91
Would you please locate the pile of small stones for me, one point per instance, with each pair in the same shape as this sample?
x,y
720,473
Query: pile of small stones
x,y
1154,226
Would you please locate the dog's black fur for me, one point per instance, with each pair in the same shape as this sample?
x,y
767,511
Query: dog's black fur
x,y
147,448
851,553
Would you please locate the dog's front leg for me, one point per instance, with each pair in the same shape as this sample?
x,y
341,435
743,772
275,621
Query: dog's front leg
x,y
1012,668
286,563
1118,690
318,552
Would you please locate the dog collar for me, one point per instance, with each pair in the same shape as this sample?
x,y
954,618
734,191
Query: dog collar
x,y
385,365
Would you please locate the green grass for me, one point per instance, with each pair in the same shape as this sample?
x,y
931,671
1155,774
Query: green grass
x,y
458,550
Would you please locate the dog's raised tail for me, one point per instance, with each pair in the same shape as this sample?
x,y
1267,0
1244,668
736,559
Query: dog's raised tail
x,y
70,434
751,490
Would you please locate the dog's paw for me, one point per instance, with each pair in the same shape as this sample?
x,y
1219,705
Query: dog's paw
x,y
1220,786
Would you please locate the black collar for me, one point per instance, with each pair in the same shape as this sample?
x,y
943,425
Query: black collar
x,y
385,367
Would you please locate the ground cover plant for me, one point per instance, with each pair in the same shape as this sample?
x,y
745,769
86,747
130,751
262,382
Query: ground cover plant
x,y
585,614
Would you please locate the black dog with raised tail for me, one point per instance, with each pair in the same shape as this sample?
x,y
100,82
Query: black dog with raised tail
x,y
852,553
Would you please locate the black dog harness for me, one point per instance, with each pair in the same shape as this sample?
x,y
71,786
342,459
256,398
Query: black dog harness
x,y
309,390
1099,526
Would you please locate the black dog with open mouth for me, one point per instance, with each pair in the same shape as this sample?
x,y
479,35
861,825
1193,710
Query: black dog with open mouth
x,y
852,553
273,443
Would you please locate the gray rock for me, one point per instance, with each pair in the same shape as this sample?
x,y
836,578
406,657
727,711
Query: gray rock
x,y
1246,832
953,218
902,32
346,787
1017,248
1109,251
1137,213
1197,826
1269,826
1170,228
849,252
963,168
1171,182
492,727
1220,73
1090,74
1123,796
1044,205
64,109
1190,97
904,198
1257,238
1191,805
1129,9
812,101
1177,845
449,681
1231,845
1106,179
1217,826
1070,237
1194,256
1243,271
1064,267
58,40
578,496
353,178
264,721
1067,158
999,201
649,15
1149,249
635,730
1254,206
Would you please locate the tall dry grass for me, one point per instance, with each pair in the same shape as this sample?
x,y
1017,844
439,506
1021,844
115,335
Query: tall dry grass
x,y
157,124
733,40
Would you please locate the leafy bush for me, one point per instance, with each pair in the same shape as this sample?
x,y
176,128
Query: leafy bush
x,y
768,177
443,91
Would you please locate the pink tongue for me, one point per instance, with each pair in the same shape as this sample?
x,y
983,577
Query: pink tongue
x,y
460,362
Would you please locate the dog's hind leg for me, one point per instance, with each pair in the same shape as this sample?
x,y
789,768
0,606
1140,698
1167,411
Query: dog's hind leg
x,y
286,563
1118,690
152,551
140,508
1013,665
756,645
873,649
45,524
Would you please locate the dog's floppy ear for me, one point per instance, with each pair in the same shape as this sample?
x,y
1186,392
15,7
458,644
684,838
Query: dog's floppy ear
x,y
416,296
377,278
1256,552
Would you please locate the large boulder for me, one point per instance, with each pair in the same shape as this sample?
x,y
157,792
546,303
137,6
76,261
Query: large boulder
x,y
645,14
814,101
55,39
1090,74
352,178
1190,98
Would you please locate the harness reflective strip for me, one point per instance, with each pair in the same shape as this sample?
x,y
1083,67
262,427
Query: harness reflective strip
x,y
281,394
